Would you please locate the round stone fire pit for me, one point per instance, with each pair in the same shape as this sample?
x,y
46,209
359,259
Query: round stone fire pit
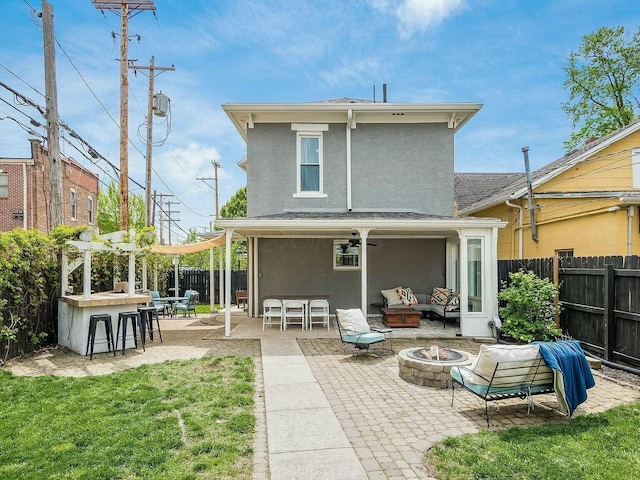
x,y
430,366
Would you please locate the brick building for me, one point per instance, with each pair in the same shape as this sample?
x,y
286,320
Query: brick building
x,y
25,192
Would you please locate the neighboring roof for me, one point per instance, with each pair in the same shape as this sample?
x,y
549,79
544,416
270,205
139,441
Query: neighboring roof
x,y
518,188
472,187
349,111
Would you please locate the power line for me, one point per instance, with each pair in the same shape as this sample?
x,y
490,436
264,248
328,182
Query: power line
x,y
22,79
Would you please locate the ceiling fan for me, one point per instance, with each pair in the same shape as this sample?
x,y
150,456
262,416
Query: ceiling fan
x,y
355,241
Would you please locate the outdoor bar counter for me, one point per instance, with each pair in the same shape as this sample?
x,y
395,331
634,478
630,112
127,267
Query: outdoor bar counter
x,y
74,312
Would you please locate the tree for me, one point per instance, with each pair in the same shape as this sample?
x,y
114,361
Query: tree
x,y
236,206
199,260
109,210
601,77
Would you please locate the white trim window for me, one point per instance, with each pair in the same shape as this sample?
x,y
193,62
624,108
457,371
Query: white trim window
x,y
90,210
4,185
73,203
346,256
475,274
309,159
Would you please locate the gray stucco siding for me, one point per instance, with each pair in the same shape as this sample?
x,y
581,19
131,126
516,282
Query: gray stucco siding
x,y
304,266
402,167
272,172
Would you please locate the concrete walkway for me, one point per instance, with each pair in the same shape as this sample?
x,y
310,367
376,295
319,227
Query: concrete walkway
x,y
305,438
324,414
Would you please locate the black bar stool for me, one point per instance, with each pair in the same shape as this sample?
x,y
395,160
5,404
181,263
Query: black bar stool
x,y
91,338
148,314
136,320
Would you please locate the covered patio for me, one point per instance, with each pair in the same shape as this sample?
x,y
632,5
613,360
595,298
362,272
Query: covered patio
x,y
304,254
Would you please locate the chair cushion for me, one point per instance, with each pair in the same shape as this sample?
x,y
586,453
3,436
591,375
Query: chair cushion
x,y
352,321
392,296
364,338
407,296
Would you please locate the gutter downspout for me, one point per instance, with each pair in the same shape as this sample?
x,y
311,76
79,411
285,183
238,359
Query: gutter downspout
x,y
532,213
348,141
520,238
630,214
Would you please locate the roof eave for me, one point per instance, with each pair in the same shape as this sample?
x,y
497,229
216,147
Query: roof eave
x,y
242,114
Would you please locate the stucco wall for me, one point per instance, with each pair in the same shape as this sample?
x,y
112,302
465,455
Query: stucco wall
x,y
418,264
400,167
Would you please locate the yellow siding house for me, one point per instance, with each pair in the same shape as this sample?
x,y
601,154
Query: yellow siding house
x,y
584,204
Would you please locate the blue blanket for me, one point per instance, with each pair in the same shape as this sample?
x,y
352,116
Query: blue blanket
x,y
567,358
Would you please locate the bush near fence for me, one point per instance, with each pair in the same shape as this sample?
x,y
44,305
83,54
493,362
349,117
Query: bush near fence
x,y
600,299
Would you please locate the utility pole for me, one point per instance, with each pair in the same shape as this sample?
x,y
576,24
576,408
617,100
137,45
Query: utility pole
x,y
169,213
160,203
216,165
56,216
152,68
126,10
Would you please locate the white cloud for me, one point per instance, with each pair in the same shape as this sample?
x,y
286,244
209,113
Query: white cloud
x,y
420,15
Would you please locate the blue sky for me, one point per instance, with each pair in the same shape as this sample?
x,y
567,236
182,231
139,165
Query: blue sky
x,y
507,55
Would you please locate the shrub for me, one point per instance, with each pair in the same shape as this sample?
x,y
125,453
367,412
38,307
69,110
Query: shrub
x,y
528,308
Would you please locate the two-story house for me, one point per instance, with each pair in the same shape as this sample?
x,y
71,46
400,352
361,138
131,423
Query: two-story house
x,y
584,203
346,198
25,191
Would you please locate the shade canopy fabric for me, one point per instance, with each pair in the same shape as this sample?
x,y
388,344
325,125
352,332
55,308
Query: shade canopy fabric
x,y
188,248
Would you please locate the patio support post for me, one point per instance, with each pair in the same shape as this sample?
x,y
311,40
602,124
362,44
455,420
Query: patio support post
x,y
176,280
220,282
212,281
144,274
227,284
132,273
364,232
86,275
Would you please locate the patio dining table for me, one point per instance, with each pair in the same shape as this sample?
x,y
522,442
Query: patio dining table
x,y
171,301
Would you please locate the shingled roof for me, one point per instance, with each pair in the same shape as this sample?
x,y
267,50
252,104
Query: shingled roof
x,y
473,187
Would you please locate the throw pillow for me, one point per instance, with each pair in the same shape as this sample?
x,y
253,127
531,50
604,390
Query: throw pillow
x,y
407,296
391,296
440,296
352,321
491,355
454,303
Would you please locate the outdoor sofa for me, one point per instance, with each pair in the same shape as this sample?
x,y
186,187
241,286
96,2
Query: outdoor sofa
x,y
442,302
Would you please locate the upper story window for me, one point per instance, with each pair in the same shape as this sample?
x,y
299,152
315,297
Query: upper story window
x,y
4,185
90,210
309,153
73,202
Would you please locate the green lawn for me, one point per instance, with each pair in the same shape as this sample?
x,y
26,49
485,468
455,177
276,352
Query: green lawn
x,y
598,446
176,420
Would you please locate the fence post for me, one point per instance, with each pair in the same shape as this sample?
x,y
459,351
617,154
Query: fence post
x,y
609,314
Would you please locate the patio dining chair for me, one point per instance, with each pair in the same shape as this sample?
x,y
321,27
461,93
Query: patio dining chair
x,y
272,313
294,313
318,313
354,331
189,305
161,307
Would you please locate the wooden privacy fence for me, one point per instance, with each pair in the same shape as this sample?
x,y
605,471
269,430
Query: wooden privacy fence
x,y
198,280
600,299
